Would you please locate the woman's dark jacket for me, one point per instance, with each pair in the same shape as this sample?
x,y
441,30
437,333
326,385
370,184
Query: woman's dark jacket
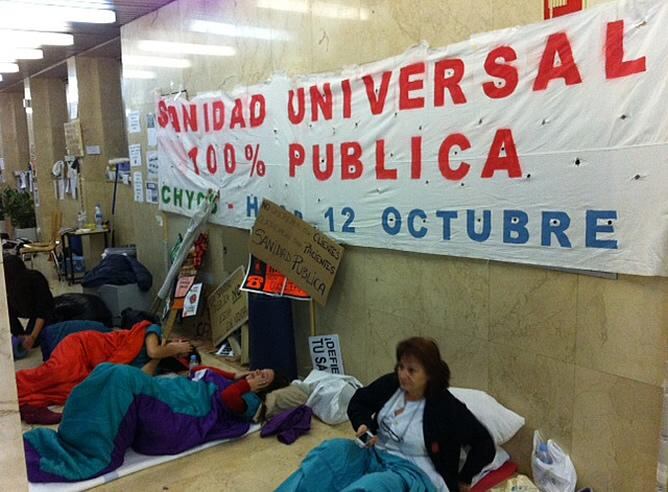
x,y
447,425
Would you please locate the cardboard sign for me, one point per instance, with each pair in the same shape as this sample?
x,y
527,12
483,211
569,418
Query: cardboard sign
x,y
264,279
228,307
296,249
326,353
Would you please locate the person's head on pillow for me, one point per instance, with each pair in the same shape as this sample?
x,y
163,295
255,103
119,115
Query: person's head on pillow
x,y
130,317
261,382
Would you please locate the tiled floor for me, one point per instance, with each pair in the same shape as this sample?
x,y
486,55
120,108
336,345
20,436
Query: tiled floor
x,y
250,464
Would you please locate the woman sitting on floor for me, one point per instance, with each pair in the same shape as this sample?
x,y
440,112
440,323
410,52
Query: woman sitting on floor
x,y
28,296
418,430
118,407
78,354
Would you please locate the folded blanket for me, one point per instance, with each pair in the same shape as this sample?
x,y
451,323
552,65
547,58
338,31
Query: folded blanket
x,y
289,425
74,359
118,407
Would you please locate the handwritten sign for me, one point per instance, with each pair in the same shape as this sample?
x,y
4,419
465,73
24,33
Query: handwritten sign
x,y
228,307
296,249
73,138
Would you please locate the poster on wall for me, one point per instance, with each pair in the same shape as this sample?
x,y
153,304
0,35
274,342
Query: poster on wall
x,y
152,192
514,145
152,164
73,139
151,131
135,155
134,122
138,183
262,278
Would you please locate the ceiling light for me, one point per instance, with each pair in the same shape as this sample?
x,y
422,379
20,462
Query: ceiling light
x,y
30,39
185,48
156,61
319,9
9,68
138,74
21,53
13,21
237,31
56,13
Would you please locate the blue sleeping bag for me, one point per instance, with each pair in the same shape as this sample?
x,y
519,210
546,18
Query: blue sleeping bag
x,y
53,334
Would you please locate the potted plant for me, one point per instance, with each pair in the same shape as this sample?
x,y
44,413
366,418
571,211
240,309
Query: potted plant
x,y
18,205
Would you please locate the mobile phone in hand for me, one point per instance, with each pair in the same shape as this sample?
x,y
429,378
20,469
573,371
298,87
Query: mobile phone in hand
x,y
364,440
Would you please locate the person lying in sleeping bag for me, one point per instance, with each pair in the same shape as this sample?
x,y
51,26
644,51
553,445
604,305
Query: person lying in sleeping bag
x,y
119,406
78,354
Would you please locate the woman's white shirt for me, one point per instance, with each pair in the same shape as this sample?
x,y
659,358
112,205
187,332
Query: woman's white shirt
x,y
402,435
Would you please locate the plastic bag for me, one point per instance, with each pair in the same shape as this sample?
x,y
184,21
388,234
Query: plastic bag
x,y
553,470
329,395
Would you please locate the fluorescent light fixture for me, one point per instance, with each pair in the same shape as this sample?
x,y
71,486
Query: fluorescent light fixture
x,y
9,68
320,9
185,48
21,53
55,13
156,61
13,21
31,39
238,31
139,74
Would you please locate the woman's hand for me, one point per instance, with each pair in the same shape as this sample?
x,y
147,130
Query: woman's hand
x,y
28,342
180,348
361,430
464,487
241,374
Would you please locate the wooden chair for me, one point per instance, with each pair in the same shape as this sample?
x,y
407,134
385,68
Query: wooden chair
x,y
48,248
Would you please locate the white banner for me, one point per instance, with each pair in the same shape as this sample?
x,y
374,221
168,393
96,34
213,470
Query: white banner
x,y
544,144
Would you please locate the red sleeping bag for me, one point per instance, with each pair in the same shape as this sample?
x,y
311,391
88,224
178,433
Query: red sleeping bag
x,y
73,360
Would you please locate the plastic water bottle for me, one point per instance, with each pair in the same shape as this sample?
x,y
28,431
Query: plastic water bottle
x,y
543,454
192,364
81,219
98,217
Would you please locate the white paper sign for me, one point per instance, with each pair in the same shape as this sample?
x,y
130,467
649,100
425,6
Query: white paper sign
x,y
326,353
138,183
151,132
134,122
152,164
151,192
135,155
93,150
191,301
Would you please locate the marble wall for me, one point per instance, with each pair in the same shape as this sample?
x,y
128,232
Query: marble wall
x,y
13,135
580,357
12,460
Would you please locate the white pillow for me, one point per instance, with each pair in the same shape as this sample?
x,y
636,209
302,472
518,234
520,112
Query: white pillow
x,y
501,422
